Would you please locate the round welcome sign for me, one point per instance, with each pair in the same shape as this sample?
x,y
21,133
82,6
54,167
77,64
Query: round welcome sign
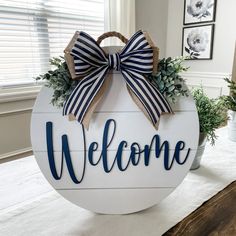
x,y
121,164
148,166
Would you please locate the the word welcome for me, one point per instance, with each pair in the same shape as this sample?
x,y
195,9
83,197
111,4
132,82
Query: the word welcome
x,y
136,153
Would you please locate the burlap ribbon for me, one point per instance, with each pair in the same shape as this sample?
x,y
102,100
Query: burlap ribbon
x,y
88,62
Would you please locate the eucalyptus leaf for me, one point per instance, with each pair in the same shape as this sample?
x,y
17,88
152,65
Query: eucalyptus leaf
x,y
168,80
171,88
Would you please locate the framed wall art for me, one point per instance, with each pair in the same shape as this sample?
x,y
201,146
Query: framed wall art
x,y
197,42
199,11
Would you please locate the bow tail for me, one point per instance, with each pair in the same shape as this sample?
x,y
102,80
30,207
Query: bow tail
x,y
147,97
86,95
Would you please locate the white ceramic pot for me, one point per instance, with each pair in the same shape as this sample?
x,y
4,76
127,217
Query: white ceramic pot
x,y
232,125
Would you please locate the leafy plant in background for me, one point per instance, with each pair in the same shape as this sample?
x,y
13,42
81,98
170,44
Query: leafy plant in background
x,y
59,80
211,113
168,80
230,100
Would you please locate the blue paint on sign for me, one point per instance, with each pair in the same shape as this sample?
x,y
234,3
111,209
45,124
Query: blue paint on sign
x,y
136,152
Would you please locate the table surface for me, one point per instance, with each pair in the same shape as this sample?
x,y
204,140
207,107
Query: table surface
x,y
216,216
29,205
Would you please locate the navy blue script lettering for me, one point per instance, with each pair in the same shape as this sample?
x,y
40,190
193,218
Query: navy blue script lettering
x,y
135,153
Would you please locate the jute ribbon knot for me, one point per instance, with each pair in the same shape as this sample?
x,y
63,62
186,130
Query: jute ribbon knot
x,y
87,61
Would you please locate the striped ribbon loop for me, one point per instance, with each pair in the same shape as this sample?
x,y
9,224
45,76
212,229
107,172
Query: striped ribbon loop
x,y
135,61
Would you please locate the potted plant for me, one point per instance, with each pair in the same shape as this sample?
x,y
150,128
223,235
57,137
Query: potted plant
x,y
230,103
212,115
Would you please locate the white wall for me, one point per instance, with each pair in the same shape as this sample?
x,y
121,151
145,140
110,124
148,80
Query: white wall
x,y
14,135
207,72
164,20
151,15
225,36
15,114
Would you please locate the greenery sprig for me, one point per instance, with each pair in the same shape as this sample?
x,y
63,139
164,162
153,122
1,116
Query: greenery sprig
x,y
230,100
168,79
211,113
59,80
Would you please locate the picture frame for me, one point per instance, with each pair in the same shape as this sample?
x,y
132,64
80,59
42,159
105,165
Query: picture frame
x,y
199,11
197,42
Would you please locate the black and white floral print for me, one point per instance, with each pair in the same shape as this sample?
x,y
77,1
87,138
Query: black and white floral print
x,y
197,41
197,11
200,8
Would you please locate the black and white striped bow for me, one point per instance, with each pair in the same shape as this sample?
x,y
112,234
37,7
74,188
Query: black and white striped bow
x,y
134,62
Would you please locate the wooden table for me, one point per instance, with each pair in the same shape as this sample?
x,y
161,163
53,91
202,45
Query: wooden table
x,y
217,216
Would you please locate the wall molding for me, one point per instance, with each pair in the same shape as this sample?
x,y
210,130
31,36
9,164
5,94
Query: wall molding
x,y
17,100
212,82
209,75
19,93
16,153
16,111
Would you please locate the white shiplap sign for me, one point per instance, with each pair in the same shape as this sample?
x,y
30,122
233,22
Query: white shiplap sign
x,y
121,164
